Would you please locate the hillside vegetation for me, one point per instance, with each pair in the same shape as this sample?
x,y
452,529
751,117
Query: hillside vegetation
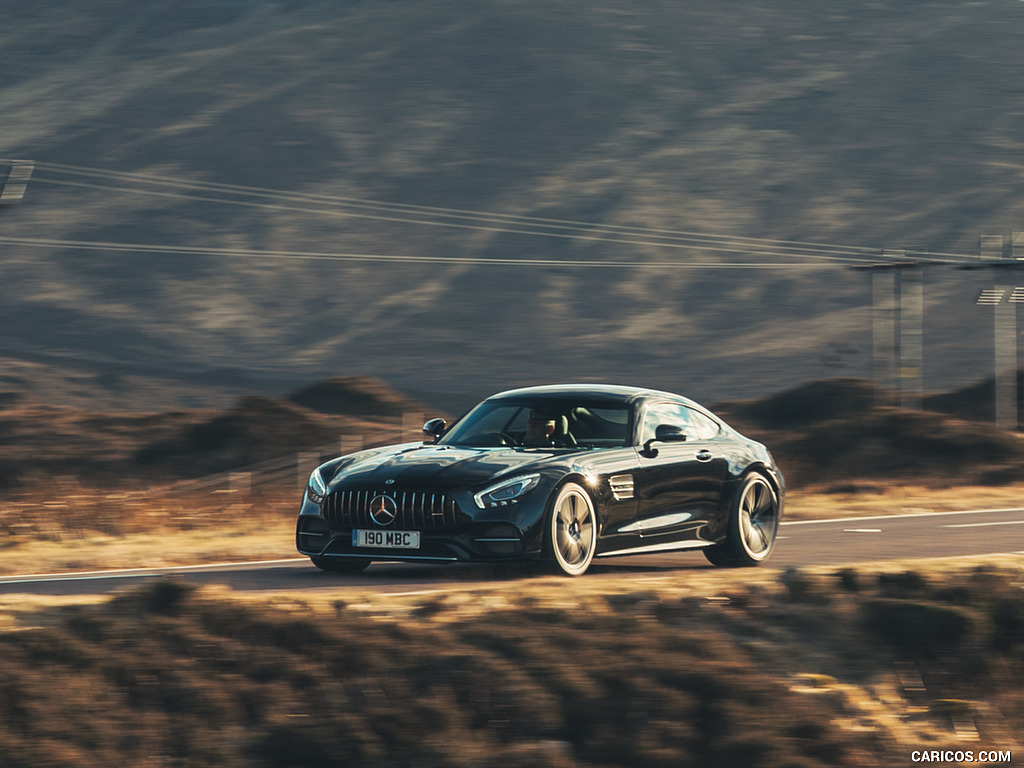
x,y
842,431
271,134
524,675
833,432
116,450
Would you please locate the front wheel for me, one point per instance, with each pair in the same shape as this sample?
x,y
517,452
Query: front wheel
x,y
572,530
753,525
340,564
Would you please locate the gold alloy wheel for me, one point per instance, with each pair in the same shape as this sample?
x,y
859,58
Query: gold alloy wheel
x,y
758,518
573,530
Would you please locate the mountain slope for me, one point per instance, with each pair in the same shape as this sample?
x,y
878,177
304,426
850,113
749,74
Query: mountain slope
x,y
889,125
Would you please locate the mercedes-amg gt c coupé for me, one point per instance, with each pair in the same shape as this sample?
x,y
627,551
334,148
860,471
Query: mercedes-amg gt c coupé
x,y
561,474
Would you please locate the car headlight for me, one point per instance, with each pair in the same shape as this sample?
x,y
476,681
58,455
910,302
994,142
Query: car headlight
x,y
506,492
316,489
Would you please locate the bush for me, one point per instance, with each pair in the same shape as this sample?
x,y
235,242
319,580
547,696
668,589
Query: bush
x,y
917,627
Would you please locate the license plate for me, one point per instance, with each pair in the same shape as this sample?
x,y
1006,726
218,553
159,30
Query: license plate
x,y
386,539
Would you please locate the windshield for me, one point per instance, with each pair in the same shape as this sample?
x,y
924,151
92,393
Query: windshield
x,y
543,423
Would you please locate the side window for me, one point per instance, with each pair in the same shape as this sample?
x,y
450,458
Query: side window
x,y
703,427
695,424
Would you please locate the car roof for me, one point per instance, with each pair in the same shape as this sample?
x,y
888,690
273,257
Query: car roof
x,y
608,392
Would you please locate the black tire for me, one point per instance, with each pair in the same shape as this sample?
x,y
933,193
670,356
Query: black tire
x,y
753,525
340,564
572,530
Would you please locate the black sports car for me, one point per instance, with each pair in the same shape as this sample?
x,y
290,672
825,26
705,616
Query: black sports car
x,y
561,473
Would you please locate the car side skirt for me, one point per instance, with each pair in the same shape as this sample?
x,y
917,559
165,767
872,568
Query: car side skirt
x,y
667,546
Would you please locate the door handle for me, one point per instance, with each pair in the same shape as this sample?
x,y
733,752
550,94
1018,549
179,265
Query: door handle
x,y
704,455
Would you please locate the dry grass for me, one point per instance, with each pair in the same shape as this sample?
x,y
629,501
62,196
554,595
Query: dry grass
x,y
521,673
89,530
895,498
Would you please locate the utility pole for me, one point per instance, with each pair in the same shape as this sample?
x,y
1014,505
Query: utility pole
x,y
1003,298
884,322
897,322
911,339
1016,250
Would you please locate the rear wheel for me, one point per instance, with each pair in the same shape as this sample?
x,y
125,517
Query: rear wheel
x,y
753,525
340,564
572,530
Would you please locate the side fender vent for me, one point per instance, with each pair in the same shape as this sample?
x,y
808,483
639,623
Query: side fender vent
x,y
622,486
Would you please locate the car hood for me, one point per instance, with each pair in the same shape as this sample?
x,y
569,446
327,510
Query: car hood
x,y
438,466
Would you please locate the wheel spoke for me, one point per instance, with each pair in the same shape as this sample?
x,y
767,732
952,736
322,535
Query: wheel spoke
x,y
584,539
756,539
762,505
756,496
764,500
581,551
752,499
564,515
570,550
745,525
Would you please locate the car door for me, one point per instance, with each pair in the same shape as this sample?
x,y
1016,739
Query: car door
x,y
679,483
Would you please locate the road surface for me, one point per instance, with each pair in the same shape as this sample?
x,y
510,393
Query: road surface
x,y
802,543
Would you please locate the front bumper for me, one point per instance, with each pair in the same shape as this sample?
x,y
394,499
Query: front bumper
x,y
487,542
447,534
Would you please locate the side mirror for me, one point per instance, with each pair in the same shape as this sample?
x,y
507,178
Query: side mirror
x,y
665,433
432,430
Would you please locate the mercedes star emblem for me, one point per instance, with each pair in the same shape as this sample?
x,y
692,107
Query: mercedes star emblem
x,y
383,510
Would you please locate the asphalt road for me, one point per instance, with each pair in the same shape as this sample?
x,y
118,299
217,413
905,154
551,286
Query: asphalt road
x,y
801,543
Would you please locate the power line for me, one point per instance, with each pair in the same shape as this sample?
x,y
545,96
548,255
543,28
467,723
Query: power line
x,y
152,248
226,194
438,211
596,234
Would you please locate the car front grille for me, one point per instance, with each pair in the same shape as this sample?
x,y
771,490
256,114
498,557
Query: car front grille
x,y
415,510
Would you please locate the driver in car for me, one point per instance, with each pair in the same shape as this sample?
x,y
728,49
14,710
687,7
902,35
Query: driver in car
x,y
539,429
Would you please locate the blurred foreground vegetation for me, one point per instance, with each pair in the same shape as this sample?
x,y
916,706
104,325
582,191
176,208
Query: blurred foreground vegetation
x,y
840,668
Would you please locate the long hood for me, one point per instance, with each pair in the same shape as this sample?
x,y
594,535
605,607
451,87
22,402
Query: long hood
x,y
434,466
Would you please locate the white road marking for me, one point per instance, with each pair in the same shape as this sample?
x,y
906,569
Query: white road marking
x,y
862,530
897,517
982,525
120,573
